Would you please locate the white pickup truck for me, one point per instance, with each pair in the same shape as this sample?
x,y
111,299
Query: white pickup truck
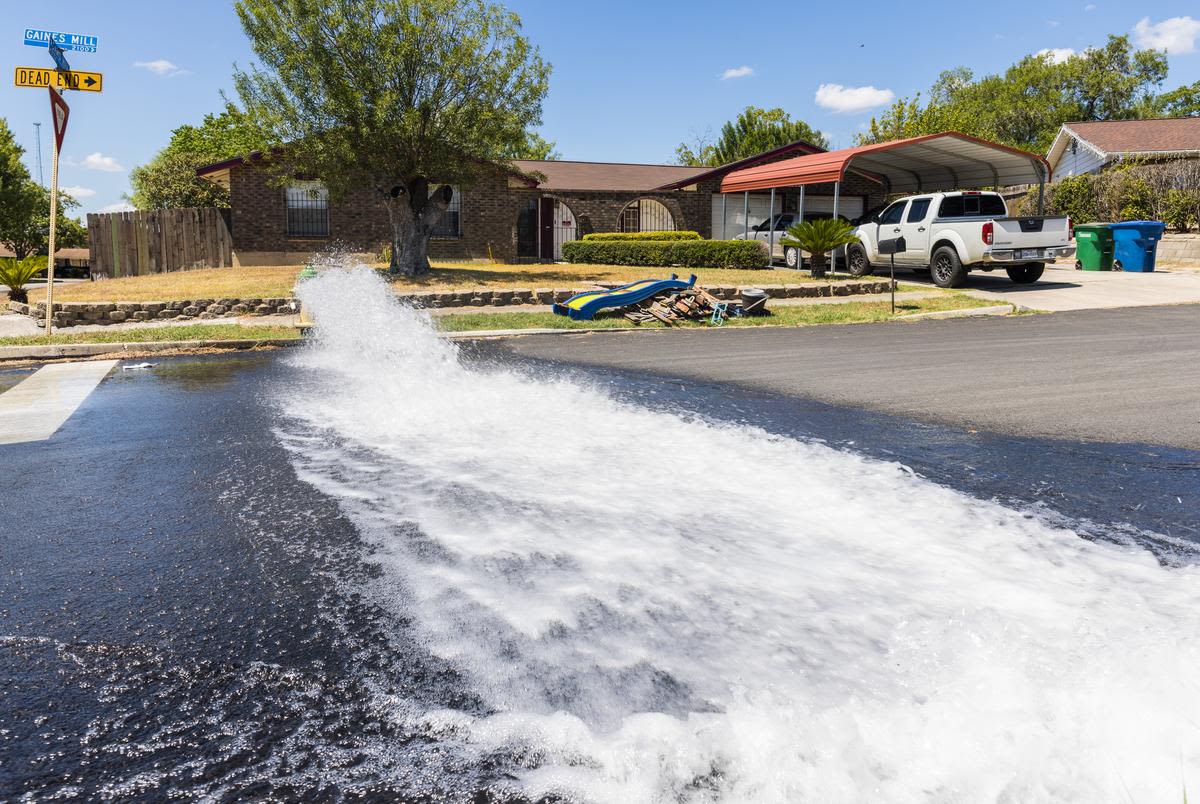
x,y
949,234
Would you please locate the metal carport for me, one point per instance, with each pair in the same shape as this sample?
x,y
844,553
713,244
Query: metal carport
x,y
946,161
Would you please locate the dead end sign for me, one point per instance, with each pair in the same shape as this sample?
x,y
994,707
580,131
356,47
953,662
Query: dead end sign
x,y
39,77
59,112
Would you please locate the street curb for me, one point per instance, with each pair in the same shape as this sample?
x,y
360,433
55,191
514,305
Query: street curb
x,y
53,351
970,312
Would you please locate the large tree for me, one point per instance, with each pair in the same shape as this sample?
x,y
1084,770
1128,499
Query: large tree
x,y
753,131
398,96
1025,106
25,206
169,179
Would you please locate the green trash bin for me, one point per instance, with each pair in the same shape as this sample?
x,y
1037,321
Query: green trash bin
x,y
1093,247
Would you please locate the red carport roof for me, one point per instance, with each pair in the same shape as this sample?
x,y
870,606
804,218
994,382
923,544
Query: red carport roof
x,y
946,161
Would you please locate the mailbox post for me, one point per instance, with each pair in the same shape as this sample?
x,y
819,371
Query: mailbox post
x,y
892,247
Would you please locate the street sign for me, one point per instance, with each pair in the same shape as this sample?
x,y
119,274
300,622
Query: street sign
x,y
39,77
81,43
59,112
60,60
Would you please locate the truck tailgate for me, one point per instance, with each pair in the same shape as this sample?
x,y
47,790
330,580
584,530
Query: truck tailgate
x,y
1030,232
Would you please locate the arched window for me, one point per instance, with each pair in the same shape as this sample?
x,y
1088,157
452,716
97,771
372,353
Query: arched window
x,y
646,215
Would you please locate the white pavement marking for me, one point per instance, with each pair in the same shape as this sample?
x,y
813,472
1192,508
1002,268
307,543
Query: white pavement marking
x,y
34,409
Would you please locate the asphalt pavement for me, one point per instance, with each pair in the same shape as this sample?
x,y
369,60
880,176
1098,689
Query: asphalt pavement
x,y
1127,376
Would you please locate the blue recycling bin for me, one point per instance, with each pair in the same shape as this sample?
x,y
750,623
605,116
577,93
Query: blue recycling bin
x,y
1135,244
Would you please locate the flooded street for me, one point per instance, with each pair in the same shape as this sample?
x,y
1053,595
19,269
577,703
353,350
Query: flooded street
x,y
384,567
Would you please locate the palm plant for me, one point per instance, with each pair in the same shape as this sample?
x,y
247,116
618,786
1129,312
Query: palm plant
x,y
16,273
819,237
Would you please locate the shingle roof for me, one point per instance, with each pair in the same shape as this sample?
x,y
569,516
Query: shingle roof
x,y
604,176
1141,136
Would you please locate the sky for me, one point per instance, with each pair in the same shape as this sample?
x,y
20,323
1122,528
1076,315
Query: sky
x,y
631,78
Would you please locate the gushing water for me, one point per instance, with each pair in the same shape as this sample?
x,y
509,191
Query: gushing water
x,y
655,607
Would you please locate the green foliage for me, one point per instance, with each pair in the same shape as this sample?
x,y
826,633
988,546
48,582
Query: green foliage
x,y
1137,200
672,235
25,229
1180,209
755,130
169,180
394,95
17,199
819,237
1074,196
685,253
1026,105
1181,102
535,147
14,274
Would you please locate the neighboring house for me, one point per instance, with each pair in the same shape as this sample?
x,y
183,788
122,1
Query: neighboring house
x,y
1083,148
67,261
520,213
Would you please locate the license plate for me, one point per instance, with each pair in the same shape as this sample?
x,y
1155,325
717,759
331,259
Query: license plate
x,y
1028,254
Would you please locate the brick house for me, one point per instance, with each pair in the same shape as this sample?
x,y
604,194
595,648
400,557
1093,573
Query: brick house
x,y
522,213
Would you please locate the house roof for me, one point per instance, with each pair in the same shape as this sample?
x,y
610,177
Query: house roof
x,y
945,161
799,146
1110,138
561,174
60,253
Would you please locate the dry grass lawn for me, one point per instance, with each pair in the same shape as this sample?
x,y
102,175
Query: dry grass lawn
x,y
277,281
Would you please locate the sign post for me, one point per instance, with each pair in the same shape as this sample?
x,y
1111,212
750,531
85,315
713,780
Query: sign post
x,y
59,112
892,247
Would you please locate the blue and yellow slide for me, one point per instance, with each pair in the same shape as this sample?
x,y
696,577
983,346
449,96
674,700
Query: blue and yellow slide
x,y
583,306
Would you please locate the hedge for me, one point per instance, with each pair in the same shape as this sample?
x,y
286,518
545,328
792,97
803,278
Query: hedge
x,y
685,253
642,236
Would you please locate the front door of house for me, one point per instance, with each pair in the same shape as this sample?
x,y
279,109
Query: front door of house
x,y
546,228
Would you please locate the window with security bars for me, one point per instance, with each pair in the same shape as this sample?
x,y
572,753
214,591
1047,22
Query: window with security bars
x,y
307,209
646,215
449,226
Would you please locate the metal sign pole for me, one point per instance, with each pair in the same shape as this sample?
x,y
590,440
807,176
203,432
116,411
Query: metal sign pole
x,y
50,244
893,276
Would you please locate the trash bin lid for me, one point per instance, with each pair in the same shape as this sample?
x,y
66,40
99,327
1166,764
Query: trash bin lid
x,y
1150,225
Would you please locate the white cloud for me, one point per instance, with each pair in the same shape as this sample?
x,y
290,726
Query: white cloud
x,y
1053,23
160,67
120,206
1175,35
1090,7
99,161
78,192
1057,55
838,98
737,72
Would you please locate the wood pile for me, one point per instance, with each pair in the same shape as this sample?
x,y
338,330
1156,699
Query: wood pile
x,y
693,304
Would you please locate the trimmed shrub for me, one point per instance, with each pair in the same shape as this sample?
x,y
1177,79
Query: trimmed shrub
x,y
1181,206
685,253
626,236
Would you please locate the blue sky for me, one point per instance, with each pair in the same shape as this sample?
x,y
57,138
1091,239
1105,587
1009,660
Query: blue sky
x,y
631,78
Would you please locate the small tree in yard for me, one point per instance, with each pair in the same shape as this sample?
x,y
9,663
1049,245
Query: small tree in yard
x,y
393,95
15,274
819,237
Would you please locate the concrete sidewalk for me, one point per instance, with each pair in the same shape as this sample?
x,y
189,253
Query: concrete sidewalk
x,y
1062,288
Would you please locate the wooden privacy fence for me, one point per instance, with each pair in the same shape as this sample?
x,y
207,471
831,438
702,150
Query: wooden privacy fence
x,y
157,241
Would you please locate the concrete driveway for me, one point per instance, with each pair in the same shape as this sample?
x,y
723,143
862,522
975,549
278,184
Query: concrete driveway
x,y
1062,288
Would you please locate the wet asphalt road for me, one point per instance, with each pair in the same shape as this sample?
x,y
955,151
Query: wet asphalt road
x,y
1129,375
178,614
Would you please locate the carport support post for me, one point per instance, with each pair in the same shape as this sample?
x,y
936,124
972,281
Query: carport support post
x,y
800,219
837,189
771,231
746,215
1041,191
724,212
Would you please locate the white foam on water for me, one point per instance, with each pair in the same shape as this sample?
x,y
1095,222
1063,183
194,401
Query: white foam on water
x,y
662,608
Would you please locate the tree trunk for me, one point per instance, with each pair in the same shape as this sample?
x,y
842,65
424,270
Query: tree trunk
x,y
818,265
412,213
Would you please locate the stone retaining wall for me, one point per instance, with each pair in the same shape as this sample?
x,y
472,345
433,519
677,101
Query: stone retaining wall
x,y
1179,248
69,314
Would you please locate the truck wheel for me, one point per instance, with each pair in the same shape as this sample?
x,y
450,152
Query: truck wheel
x,y
857,263
791,257
1026,274
947,268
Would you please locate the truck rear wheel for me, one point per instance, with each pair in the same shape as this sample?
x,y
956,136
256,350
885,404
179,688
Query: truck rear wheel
x,y
857,263
947,269
1026,274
